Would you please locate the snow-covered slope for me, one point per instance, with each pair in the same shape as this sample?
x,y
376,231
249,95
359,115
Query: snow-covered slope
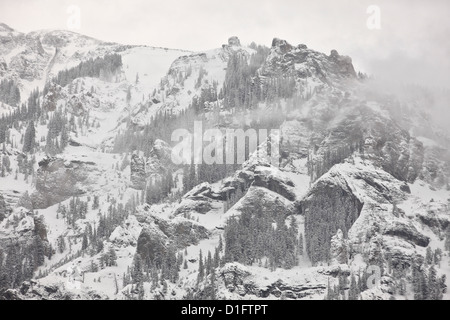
x,y
361,185
33,59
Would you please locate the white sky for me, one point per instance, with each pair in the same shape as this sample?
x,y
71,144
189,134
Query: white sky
x,y
413,42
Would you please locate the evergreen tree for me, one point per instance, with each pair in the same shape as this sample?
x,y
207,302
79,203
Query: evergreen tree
x,y
429,256
353,292
137,269
220,243
64,138
61,244
209,263
201,268
112,257
84,244
29,139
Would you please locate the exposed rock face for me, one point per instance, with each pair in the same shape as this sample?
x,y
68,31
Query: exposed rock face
x,y
138,175
295,135
400,258
202,190
76,103
32,290
437,221
158,163
342,64
303,62
275,184
158,233
233,276
266,201
194,204
261,183
200,199
281,289
375,252
57,181
258,174
182,231
407,232
151,244
238,279
234,41
328,207
282,45
160,159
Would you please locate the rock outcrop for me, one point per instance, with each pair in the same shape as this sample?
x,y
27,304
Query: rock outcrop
x,y
155,166
268,203
234,41
183,232
194,204
158,233
239,280
32,290
138,175
58,180
151,244
302,63
407,232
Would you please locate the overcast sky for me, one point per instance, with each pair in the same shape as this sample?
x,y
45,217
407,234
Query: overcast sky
x,y
413,42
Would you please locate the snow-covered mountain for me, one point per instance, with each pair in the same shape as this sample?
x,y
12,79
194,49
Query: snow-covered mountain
x,y
92,206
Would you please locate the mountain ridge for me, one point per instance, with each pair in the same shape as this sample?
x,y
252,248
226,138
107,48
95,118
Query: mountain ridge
x,y
91,205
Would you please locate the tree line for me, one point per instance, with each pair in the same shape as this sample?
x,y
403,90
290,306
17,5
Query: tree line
x,y
258,235
100,67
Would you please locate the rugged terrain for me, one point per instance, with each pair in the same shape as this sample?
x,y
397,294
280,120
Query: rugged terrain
x,y
94,208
